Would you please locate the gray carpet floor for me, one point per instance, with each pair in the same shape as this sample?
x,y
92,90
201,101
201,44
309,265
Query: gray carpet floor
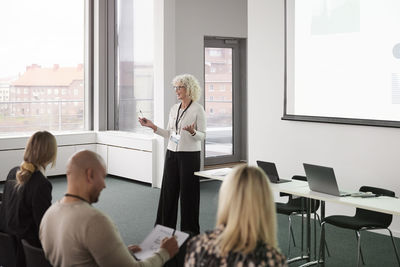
x,y
133,206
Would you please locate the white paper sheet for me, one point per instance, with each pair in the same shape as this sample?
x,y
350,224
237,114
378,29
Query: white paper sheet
x,y
152,242
219,172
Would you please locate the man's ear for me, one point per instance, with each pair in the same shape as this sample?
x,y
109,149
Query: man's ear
x,y
89,175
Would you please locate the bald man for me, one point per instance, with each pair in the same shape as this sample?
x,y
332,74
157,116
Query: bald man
x,y
73,233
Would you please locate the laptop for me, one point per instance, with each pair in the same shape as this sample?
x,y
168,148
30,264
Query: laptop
x,y
270,169
322,179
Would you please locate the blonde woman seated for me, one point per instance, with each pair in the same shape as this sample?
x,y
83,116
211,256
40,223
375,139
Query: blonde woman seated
x,y
27,192
246,225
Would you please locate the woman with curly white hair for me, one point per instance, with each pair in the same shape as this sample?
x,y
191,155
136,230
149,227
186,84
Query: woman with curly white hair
x,y
185,131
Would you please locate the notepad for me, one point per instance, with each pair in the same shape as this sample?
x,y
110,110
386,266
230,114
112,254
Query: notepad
x,y
222,172
151,244
219,172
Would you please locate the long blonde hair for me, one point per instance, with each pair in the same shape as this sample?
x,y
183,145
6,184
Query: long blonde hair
x,y
40,150
247,210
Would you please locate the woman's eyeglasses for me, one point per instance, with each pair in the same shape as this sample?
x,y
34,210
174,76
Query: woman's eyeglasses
x,y
179,87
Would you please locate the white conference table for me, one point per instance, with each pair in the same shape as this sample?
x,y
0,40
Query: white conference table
x,y
383,204
389,205
216,174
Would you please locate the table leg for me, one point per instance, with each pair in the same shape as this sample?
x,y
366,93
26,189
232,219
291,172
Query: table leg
x,y
315,262
309,228
323,234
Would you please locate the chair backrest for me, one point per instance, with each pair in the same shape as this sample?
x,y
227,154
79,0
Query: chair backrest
x,y
298,201
7,250
299,178
373,216
34,256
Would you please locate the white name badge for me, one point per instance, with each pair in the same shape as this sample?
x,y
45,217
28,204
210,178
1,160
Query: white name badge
x,y
175,138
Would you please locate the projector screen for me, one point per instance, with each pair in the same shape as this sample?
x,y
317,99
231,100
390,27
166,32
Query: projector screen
x,y
342,61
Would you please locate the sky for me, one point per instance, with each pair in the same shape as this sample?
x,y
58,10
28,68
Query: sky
x,y
43,32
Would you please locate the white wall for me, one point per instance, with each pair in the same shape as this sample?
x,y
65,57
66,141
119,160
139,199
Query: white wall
x,y
184,24
196,19
360,155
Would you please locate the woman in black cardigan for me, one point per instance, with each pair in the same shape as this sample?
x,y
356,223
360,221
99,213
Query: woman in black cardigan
x,y
27,198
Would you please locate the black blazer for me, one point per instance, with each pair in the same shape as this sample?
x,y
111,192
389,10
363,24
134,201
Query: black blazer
x,y
23,207
10,176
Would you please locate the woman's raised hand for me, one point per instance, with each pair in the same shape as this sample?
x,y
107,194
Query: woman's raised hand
x,y
190,128
147,123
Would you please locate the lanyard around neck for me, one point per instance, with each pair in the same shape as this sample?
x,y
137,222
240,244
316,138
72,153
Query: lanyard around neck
x,y
76,196
178,118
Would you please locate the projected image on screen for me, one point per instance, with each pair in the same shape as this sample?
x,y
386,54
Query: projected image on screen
x,y
343,59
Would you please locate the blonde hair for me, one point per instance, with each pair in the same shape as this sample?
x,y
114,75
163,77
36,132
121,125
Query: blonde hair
x,y
191,84
40,150
247,210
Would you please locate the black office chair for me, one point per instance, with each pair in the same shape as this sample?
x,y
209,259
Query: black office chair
x,y
34,256
7,250
296,206
363,220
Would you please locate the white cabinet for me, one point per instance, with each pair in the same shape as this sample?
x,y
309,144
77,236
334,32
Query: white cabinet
x,y
63,154
130,163
91,147
102,151
126,154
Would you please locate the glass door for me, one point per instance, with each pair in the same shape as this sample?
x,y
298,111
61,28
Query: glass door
x,y
221,94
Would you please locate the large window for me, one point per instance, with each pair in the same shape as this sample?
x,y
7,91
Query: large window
x,y
134,63
42,65
343,61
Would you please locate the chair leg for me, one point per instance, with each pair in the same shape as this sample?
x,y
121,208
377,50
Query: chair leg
x,y
359,251
289,232
321,246
292,234
315,231
326,243
394,246
302,233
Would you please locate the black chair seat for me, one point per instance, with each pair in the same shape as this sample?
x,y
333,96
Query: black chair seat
x,y
34,256
7,250
287,209
352,222
364,220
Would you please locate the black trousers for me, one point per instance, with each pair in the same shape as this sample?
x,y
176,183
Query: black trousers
x,y
179,181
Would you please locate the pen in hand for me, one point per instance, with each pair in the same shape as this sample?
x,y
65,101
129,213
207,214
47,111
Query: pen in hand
x,y
173,233
143,118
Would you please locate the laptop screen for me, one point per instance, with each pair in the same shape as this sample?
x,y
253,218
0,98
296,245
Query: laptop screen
x,y
270,169
321,179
